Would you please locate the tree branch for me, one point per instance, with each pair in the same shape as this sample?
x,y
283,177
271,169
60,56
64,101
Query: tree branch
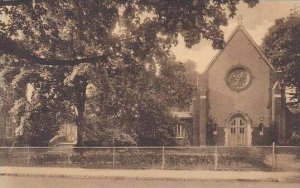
x,y
9,46
14,2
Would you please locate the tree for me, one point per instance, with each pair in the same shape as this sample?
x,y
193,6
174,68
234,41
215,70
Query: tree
x,y
35,113
108,34
281,46
191,71
86,27
134,106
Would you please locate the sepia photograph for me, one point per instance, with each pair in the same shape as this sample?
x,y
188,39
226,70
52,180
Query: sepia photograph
x,y
149,93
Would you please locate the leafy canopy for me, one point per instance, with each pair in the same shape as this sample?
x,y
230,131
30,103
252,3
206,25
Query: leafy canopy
x,y
282,47
69,32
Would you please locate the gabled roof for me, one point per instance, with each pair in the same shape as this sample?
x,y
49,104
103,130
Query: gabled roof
x,y
240,28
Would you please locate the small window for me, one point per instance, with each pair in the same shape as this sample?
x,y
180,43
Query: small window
x,y
237,122
233,130
233,122
261,129
242,122
180,131
242,130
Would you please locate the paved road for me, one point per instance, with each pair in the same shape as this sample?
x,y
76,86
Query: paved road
x,y
42,182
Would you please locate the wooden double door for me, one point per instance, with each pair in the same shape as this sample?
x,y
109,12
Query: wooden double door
x,y
237,132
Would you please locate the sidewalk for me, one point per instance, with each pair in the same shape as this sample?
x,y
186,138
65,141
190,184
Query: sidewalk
x,y
181,175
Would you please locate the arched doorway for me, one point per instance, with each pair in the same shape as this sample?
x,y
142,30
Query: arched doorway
x,y
238,131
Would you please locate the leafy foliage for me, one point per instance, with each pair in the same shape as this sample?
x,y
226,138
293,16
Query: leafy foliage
x,y
39,126
136,103
256,157
295,140
121,48
281,46
34,109
71,32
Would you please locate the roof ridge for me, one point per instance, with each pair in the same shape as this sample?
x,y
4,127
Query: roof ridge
x,y
248,36
257,47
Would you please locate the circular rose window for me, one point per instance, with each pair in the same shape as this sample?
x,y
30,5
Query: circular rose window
x,y
238,78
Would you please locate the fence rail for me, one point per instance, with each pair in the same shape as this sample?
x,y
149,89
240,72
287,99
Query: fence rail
x,y
204,157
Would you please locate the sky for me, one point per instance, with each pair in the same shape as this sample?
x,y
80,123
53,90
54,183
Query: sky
x,y
256,21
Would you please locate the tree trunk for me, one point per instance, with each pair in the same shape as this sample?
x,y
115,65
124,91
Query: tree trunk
x,y
80,105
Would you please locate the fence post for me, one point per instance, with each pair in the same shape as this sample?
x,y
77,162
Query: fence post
x,y
69,158
216,158
273,157
28,156
163,158
113,157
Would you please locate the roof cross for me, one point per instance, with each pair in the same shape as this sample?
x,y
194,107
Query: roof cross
x,y
240,19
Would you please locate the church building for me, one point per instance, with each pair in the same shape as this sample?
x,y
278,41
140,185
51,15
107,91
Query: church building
x,y
239,101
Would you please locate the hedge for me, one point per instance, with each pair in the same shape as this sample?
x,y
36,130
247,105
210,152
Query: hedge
x,y
232,158
243,157
139,160
183,161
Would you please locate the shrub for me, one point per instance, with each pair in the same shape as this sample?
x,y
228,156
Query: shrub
x,y
6,141
139,159
76,158
94,159
50,158
135,158
243,156
189,160
98,159
295,140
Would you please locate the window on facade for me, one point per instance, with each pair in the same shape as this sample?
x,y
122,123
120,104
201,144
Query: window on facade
x,y
237,122
180,131
237,126
242,130
242,123
233,122
233,130
261,129
238,78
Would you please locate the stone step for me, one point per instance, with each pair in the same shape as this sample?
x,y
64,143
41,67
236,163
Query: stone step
x,y
64,147
65,144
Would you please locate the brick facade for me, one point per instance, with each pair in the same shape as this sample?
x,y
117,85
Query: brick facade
x,y
249,113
